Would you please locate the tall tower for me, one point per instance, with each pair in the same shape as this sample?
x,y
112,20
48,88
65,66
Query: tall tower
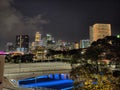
x,y
37,38
99,31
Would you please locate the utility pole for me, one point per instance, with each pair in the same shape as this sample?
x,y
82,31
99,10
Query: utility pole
x,y
20,42
20,51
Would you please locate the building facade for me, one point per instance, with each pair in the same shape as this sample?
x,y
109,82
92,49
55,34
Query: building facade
x,y
99,31
10,47
37,39
84,43
76,45
22,42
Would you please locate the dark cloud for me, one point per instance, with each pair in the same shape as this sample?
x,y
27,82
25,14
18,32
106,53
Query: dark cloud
x,y
13,23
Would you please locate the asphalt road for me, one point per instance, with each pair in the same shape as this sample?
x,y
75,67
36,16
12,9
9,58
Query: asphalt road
x,y
27,68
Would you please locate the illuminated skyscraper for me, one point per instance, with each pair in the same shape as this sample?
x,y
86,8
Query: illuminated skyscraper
x,y
37,38
99,31
76,45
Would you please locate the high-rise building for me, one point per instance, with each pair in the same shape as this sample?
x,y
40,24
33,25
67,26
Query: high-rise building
x,y
49,37
84,43
32,46
99,31
76,45
37,39
22,42
10,47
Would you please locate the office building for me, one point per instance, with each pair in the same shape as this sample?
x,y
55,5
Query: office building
x,y
10,47
76,45
49,37
22,43
84,43
99,31
37,39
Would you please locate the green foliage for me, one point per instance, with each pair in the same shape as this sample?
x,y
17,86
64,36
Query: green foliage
x,y
107,48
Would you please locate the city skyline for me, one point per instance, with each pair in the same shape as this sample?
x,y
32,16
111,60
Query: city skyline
x,y
65,19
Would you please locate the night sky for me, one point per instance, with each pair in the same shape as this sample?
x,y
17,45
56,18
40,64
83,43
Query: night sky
x,y
68,20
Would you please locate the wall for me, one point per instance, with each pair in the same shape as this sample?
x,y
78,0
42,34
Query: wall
x,y
2,59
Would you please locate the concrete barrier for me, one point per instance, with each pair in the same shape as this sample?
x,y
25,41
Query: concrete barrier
x,y
2,60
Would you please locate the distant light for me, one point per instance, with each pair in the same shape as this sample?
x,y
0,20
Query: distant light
x,y
45,51
48,35
2,53
118,36
53,41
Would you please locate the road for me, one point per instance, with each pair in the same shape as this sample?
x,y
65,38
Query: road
x,y
11,69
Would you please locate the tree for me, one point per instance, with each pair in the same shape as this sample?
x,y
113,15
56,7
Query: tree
x,y
106,48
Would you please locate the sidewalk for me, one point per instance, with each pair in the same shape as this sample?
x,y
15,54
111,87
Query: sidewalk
x,y
17,89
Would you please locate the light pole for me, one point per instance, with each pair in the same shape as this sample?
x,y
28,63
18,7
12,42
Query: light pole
x,y
20,42
20,55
